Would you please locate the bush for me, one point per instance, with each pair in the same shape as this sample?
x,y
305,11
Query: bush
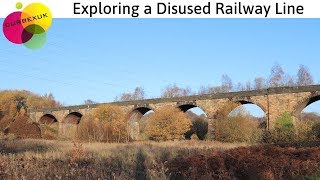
x,y
316,130
234,124
283,131
237,129
168,123
304,132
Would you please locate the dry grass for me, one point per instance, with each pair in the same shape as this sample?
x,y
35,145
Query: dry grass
x,y
52,149
49,159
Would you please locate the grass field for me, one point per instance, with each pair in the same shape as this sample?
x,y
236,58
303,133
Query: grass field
x,y
44,159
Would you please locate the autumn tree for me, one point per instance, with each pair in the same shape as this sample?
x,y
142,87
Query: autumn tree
x,y
137,94
174,91
112,118
304,76
91,129
168,123
106,123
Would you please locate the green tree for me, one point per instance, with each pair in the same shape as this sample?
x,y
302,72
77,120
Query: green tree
x,y
283,131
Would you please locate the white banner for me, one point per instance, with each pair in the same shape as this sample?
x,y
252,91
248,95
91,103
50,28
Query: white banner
x,y
173,9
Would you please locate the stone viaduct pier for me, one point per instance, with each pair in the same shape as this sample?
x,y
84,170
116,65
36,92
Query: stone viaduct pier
x,y
273,101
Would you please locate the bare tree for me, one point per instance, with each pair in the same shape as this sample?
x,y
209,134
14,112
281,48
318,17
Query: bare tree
x,y
226,83
248,86
288,80
259,83
89,101
175,91
204,90
276,77
304,76
240,87
138,94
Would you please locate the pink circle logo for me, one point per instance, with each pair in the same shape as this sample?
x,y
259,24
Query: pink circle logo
x,y
28,26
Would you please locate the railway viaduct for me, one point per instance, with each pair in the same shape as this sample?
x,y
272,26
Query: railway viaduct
x,y
273,101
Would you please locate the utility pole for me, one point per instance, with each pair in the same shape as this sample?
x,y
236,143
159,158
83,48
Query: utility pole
x,y
268,113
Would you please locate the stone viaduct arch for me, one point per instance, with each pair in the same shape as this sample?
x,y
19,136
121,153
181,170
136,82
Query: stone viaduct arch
x,y
315,96
273,101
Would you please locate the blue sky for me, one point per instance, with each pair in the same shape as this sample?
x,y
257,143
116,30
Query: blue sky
x,y
99,59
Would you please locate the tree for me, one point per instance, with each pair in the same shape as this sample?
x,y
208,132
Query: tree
x,y
137,94
239,87
174,91
89,101
90,129
248,86
205,90
283,131
304,76
288,80
112,118
276,76
213,90
226,83
259,83
168,123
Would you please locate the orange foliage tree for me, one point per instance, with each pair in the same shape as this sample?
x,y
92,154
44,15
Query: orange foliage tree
x,y
168,123
106,123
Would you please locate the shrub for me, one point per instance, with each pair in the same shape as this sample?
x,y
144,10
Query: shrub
x,y
168,123
237,129
316,130
235,125
283,131
304,132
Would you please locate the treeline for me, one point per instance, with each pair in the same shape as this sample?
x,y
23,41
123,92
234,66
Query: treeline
x,y
277,78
